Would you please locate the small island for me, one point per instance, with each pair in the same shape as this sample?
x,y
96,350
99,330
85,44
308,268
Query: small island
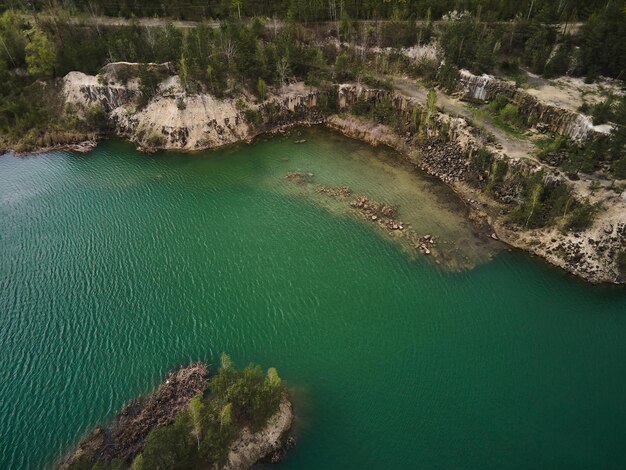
x,y
230,420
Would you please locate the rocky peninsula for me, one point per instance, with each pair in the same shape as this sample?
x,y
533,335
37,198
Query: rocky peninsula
x,y
197,420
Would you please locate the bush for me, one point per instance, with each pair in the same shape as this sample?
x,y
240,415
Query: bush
x,y
155,140
328,100
377,83
253,117
581,217
510,114
602,112
448,76
97,118
344,71
426,68
559,63
361,107
498,103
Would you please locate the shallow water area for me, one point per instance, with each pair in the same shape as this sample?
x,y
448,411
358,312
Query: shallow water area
x,y
116,266
423,203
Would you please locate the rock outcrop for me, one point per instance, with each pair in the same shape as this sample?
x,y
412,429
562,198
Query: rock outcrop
x,y
444,147
268,444
176,120
485,87
124,438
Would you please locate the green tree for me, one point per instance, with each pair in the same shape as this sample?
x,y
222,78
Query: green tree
x,y
196,408
168,447
535,198
428,113
40,55
137,463
343,71
261,88
225,362
226,415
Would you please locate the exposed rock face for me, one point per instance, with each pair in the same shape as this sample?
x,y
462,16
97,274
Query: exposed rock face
x,y
86,91
125,436
204,122
562,121
174,119
269,443
591,254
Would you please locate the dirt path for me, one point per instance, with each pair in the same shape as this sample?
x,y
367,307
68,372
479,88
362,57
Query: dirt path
x,y
512,146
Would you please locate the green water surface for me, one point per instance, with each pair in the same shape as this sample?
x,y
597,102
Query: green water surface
x,y
117,266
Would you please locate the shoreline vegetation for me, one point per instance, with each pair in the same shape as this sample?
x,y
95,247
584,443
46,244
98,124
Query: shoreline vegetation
x,y
521,109
229,420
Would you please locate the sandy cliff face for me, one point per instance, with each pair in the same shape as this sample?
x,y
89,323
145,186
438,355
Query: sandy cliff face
x,y
85,91
176,120
182,122
171,120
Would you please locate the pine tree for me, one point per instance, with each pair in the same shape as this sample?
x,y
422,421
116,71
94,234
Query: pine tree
x,y
40,55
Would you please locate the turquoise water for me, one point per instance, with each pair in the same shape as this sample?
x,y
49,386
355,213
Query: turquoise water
x,y
117,266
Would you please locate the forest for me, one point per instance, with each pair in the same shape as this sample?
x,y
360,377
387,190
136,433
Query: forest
x,y
546,11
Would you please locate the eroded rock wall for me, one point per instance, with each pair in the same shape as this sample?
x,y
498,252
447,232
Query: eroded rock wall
x,y
482,88
176,120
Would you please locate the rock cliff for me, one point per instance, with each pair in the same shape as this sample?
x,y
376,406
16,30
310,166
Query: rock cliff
x,y
268,444
176,120
482,88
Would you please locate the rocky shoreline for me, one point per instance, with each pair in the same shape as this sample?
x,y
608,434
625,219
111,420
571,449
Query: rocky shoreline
x,y
590,254
444,150
124,437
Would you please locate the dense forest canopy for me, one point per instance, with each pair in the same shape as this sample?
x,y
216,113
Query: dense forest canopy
x,y
324,10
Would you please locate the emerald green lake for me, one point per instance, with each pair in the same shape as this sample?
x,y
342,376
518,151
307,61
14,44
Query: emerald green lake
x,y
117,266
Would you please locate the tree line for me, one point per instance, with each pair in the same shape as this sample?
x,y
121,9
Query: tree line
x,y
331,10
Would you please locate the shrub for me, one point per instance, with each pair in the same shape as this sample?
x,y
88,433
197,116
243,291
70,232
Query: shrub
x,y
510,114
155,140
253,117
498,103
581,217
344,71
328,100
361,107
96,118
